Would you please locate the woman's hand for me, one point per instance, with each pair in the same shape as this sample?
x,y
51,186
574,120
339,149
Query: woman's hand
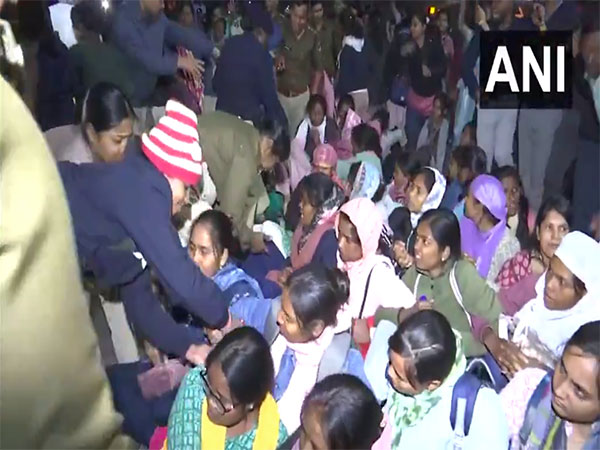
x,y
215,336
420,305
197,354
257,243
403,258
284,275
360,331
280,63
480,18
508,356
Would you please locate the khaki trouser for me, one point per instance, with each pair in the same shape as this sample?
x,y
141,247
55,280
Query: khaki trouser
x,y
295,109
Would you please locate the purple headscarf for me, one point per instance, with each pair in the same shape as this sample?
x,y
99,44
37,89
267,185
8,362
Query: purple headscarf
x,y
482,246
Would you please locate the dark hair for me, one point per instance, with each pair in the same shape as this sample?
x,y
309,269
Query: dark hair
x,y
445,230
383,116
366,138
407,163
348,100
553,203
317,187
348,412
351,25
474,159
431,29
444,100
88,14
472,128
522,232
247,364
399,222
314,100
220,229
105,107
427,341
428,175
587,338
317,293
279,134
298,3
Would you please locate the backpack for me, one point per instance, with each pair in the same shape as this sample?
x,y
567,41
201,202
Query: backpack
x,y
464,395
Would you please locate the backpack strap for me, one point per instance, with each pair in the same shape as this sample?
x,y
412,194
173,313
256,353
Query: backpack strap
x,y
457,294
464,395
416,287
271,328
335,355
362,306
532,408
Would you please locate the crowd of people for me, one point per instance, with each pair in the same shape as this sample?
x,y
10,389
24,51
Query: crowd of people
x,y
292,225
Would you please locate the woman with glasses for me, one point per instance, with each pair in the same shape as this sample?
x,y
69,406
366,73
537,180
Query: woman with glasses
x,y
425,361
226,403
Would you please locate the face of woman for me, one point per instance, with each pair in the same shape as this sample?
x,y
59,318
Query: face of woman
x,y
442,23
575,387
428,255
268,159
473,209
348,241
311,433
551,231
559,291
417,29
400,180
109,146
202,251
186,18
438,110
513,193
316,115
307,211
289,325
342,112
397,375
222,408
417,194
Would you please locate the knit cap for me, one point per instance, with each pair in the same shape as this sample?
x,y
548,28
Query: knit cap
x,y
172,145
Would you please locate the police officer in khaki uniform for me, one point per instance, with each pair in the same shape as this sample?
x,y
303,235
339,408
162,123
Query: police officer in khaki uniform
x,y
297,59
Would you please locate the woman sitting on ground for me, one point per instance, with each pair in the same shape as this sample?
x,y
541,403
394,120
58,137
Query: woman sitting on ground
x,y
426,192
560,408
566,297
405,166
373,280
310,304
520,218
340,413
211,247
442,279
467,162
425,362
317,128
226,404
484,234
102,134
365,148
518,275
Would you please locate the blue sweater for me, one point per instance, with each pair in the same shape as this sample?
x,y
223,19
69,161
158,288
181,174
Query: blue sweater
x,y
130,201
152,46
244,82
355,70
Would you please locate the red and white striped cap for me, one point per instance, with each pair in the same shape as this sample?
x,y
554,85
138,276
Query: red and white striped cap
x,y
172,145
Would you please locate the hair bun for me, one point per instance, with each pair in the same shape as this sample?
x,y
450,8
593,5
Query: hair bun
x,y
340,284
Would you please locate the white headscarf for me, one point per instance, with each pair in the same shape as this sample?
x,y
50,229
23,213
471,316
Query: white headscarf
x,y
581,255
434,198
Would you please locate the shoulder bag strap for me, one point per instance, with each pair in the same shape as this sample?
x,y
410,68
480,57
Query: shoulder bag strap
x,y
362,307
457,294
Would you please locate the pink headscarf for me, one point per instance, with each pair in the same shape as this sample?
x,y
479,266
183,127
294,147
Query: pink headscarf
x,y
325,154
368,221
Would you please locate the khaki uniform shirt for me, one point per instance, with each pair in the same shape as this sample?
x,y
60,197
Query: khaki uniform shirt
x,y
302,58
330,47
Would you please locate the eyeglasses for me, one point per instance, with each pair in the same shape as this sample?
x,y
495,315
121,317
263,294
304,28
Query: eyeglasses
x,y
212,396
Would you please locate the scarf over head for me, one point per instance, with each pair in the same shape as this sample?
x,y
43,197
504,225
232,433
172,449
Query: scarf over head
x,y
344,146
581,254
408,411
306,238
326,155
481,246
367,181
434,198
368,222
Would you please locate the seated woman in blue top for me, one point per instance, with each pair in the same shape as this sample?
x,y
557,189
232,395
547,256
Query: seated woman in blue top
x,y
314,239
425,361
306,347
211,246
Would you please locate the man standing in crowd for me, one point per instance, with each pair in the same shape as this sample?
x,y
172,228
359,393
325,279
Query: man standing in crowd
x,y
54,391
298,58
244,81
143,32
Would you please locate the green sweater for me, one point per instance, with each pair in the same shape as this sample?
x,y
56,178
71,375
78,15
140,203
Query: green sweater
x,y
478,299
